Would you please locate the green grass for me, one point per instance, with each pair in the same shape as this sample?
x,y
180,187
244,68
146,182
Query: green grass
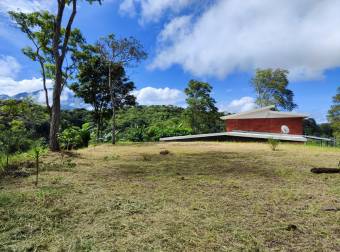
x,y
200,197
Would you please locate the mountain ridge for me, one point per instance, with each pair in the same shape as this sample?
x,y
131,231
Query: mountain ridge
x,y
68,99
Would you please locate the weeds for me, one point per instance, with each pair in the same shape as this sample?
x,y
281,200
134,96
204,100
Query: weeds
x,y
273,143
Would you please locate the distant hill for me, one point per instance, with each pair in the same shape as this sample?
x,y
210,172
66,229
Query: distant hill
x,y
4,97
68,100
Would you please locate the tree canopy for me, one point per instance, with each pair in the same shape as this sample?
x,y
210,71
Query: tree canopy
x,y
93,86
202,113
334,114
118,54
271,89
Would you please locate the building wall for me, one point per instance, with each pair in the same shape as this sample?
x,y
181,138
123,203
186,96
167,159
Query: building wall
x,y
271,125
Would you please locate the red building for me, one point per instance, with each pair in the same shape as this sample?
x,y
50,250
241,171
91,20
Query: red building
x,y
266,120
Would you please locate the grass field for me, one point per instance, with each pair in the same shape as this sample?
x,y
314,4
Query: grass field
x,y
200,197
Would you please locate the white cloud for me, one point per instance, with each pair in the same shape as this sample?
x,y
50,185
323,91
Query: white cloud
x,y
128,7
178,27
34,89
25,5
9,66
241,105
11,87
152,10
231,35
6,26
159,96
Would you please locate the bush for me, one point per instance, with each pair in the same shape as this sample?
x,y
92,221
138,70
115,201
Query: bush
x,y
75,137
274,143
13,139
70,138
154,133
85,134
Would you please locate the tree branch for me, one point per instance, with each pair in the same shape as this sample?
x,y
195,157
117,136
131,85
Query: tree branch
x,y
57,28
68,29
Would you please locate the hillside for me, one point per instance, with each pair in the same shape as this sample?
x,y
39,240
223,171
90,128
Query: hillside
x,y
200,197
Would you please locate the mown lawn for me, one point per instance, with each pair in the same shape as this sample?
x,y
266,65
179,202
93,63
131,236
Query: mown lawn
x,y
200,197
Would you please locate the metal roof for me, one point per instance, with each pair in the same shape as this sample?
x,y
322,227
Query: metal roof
x,y
245,134
265,112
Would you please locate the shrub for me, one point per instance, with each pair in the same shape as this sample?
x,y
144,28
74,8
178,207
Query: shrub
x,y
70,138
274,143
13,139
37,150
85,134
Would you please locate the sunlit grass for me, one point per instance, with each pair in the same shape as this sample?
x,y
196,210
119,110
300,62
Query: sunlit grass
x,y
202,196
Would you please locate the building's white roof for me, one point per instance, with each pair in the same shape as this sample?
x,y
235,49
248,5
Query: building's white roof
x,y
246,134
265,112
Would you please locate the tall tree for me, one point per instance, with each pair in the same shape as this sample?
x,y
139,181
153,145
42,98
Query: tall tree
x,y
119,54
271,89
59,48
202,113
92,83
120,94
334,115
57,39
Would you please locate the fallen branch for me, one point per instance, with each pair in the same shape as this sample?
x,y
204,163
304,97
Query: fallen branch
x,y
325,170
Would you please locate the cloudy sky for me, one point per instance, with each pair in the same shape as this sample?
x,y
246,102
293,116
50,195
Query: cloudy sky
x,y
218,41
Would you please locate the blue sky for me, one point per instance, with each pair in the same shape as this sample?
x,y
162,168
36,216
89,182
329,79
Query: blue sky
x,y
218,41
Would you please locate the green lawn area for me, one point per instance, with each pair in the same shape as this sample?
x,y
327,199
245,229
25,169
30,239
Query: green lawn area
x,y
203,196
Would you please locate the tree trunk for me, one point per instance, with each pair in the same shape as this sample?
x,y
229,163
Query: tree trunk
x,y
43,73
113,124
55,116
37,167
113,129
98,129
59,53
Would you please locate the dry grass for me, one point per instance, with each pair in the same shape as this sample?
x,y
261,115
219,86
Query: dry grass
x,y
200,197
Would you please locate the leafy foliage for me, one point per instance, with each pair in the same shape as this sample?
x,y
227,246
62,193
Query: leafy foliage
x,y
149,123
92,84
102,84
70,138
34,117
311,128
85,134
13,139
75,117
273,143
118,54
202,114
39,29
37,151
271,89
75,137
334,115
